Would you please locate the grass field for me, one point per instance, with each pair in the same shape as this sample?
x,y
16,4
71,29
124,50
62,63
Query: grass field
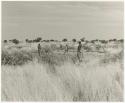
x,y
58,77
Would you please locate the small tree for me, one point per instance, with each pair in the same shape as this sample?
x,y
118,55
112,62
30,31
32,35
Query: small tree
x,y
15,41
86,41
47,40
82,39
30,41
52,40
92,41
74,40
26,40
110,40
64,40
5,41
38,39
121,40
114,40
104,41
96,40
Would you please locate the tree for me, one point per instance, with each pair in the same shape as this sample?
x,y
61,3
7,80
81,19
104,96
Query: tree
x,y
15,41
92,41
96,40
5,41
110,40
30,41
103,41
114,39
44,40
52,40
47,40
38,39
64,40
26,40
121,40
82,39
86,41
74,40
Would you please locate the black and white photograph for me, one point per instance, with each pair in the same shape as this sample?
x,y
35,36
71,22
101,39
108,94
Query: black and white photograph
x,y
62,51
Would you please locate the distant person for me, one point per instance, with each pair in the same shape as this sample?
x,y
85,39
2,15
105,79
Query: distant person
x,y
66,49
79,53
60,46
39,49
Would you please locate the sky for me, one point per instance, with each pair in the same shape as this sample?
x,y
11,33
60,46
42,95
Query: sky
x,y
58,20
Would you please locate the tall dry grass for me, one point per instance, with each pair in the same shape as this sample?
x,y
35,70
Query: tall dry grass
x,y
54,76
92,80
20,57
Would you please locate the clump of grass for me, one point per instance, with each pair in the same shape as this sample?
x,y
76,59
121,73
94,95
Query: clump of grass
x,y
112,58
16,57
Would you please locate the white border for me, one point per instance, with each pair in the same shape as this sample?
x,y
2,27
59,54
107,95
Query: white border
x,y
0,46
68,0
60,0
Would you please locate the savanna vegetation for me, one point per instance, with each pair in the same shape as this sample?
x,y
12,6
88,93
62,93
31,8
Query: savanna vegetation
x,y
55,76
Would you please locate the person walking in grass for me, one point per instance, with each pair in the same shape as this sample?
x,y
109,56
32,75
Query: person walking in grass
x,y
66,49
79,53
39,49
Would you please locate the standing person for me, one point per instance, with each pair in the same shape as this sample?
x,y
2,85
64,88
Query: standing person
x,y
39,49
79,53
66,49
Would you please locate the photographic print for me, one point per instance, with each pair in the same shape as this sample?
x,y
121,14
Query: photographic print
x,y
62,51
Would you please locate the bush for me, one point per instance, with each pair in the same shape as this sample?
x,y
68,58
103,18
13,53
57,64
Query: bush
x,y
82,39
26,40
64,40
16,58
74,40
5,41
52,40
15,41
37,39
